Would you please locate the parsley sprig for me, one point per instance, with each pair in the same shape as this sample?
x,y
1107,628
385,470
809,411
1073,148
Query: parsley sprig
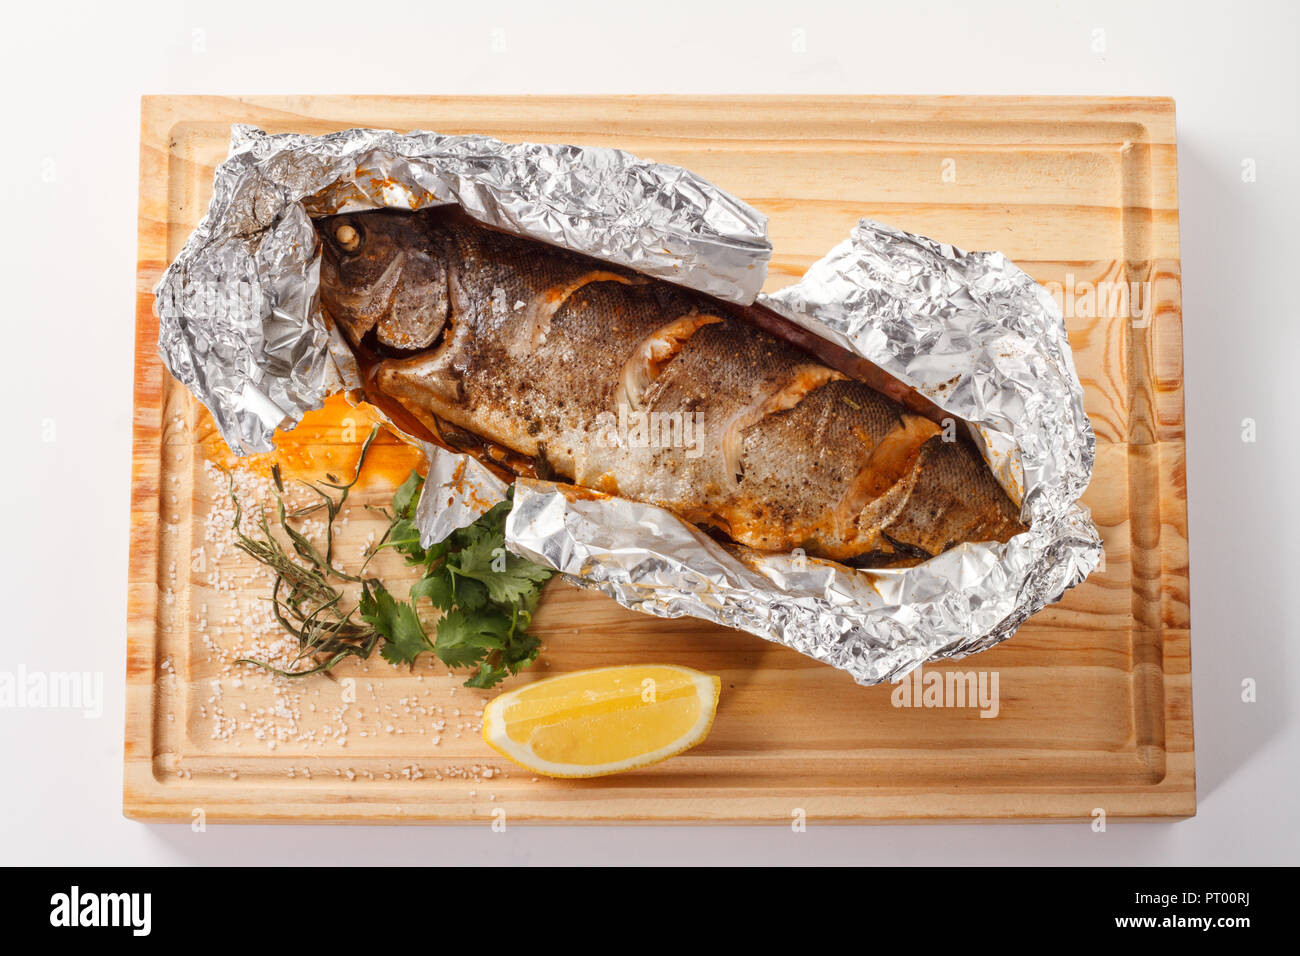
x,y
486,594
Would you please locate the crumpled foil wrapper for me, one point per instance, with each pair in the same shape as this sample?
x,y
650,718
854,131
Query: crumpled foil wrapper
x,y
240,325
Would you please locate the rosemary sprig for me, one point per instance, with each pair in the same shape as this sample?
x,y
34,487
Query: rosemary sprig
x,y
487,595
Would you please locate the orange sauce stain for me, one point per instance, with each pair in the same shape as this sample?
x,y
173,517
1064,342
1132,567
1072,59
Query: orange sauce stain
x,y
575,493
326,442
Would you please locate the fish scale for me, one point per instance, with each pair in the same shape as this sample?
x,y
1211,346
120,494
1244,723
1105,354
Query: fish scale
x,y
531,347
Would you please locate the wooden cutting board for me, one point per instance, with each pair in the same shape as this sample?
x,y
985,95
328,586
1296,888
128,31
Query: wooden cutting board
x,y
1094,693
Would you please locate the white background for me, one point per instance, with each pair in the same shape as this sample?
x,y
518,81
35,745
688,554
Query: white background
x,y
73,76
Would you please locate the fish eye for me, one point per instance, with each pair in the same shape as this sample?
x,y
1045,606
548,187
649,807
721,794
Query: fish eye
x,y
347,237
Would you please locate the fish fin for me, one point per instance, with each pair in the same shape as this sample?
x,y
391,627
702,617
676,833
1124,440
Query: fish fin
x,y
892,459
806,379
535,323
652,353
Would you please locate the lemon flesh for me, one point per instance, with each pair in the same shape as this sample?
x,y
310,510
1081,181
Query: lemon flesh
x,y
601,721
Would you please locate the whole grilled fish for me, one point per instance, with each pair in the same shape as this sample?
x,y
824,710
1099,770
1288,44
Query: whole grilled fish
x,y
560,365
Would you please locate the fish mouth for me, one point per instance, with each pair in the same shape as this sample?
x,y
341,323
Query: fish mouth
x,y
379,351
355,310
388,316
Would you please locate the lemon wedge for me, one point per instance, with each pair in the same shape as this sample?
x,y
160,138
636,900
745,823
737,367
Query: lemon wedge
x,y
606,720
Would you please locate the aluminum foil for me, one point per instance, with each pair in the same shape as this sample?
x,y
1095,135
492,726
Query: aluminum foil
x,y
240,325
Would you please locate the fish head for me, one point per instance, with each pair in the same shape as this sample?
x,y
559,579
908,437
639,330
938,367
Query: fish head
x,y
384,270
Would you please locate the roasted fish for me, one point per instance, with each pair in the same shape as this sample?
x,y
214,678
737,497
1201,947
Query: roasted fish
x,y
551,363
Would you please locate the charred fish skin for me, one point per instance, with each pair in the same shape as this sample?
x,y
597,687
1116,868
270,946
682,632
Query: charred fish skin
x,y
640,388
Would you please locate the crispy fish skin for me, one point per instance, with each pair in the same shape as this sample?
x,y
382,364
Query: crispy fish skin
x,y
636,387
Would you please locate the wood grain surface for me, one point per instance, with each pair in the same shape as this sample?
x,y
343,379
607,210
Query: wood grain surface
x,y
1094,692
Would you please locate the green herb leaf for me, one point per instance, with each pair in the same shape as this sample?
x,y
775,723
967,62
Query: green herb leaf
x,y
488,675
437,587
397,623
470,594
507,577
521,652
407,495
465,639
404,537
